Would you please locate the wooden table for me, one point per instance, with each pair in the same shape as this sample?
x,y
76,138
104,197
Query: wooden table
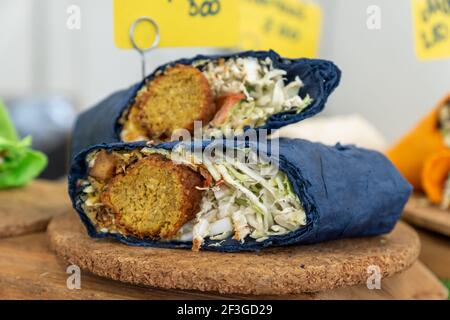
x,y
29,270
29,209
435,252
421,213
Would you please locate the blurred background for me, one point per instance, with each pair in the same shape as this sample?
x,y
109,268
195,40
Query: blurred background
x,y
49,73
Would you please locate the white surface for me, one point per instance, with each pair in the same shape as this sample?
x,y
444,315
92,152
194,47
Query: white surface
x,y
348,129
15,47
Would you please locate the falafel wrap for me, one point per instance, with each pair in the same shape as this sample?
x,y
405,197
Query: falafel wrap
x,y
233,195
430,136
210,97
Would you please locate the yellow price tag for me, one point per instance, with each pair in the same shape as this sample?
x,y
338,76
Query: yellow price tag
x,y
291,27
432,28
182,23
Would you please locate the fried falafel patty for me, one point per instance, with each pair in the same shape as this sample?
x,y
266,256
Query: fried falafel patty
x,y
146,197
186,196
173,100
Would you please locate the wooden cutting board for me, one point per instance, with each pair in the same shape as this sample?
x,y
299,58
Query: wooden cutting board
x,y
420,212
30,270
278,271
30,209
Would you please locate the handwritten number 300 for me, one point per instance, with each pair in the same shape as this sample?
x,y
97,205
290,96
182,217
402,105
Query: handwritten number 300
x,y
207,8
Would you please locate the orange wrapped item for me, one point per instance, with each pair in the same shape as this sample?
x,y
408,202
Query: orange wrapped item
x,y
411,152
435,174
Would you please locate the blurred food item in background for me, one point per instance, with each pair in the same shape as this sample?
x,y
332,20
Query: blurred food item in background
x,y
447,284
347,129
48,119
436,179
18,163
423,156
430,136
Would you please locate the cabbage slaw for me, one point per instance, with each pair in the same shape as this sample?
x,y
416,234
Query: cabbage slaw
x,y
248,197
263,86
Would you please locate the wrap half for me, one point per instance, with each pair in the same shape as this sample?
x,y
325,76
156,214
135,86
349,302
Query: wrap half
x,y
234,196
436,178
224,95
428,137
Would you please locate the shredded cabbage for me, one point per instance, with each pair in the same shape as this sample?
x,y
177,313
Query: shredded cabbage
x,y
263,86
247,198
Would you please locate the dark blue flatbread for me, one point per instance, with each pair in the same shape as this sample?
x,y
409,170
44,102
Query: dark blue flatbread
x,y
346,192
320,77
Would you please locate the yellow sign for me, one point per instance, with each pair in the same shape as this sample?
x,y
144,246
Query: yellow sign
x,y
432,28
290,27
211,23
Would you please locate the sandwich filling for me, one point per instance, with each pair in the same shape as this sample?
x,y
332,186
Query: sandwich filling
x,y
185,196
225,95
444,126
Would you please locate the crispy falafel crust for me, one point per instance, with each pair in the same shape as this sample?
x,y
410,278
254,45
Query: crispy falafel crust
x,y
173,100
154,198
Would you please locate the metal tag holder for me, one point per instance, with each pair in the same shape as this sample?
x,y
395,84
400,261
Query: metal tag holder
x,y
143,51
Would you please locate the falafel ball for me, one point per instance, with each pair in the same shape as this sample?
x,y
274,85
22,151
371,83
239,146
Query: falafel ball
x,y
171,101
154,197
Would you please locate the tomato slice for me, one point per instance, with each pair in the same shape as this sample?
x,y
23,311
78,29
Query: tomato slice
x,y
224,105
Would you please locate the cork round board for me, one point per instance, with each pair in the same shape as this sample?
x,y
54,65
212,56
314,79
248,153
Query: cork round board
x,y
30,209
420,212
289,270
